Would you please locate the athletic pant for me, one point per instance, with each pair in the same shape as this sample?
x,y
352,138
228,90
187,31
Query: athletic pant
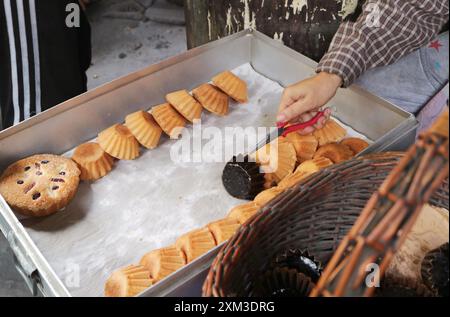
x,y
43,62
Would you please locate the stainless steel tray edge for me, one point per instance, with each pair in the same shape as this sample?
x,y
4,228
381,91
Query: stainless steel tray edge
x,y
29,261
26,250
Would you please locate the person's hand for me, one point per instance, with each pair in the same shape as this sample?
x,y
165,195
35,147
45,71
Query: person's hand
x,y
301,102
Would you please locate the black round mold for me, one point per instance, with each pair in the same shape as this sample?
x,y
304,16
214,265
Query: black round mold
x,y
242,178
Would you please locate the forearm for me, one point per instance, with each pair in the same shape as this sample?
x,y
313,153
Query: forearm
x,y
404,26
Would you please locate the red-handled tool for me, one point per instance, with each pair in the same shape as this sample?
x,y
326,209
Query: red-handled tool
x,y
284,129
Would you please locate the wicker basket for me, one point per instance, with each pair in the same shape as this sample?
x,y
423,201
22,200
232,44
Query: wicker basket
x,y
315,215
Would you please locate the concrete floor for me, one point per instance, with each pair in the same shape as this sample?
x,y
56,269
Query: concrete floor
x,y
126,36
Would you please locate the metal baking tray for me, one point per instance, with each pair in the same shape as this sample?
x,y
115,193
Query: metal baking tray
x,y
78,120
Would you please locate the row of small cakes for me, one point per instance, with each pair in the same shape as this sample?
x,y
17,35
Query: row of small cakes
x,y
142,128
158,264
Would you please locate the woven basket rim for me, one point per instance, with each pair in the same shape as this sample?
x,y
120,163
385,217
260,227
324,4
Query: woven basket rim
x,y
252,231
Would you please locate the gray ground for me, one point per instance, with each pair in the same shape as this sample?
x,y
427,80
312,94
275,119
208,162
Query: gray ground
x,y
126,36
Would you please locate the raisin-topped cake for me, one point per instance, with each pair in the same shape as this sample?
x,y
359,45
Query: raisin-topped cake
x,y
40,185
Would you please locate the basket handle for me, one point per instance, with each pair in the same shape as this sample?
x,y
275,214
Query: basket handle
x,y
388,216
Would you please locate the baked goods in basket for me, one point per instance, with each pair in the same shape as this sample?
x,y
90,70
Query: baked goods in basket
x,y
305,145
332,132
357,145
170,121
119,142
196,243
144,128
94,163
337,153
40,185
185,104
128,282
212,99
224,229
163,262
243,212
314,165
278,157
232,85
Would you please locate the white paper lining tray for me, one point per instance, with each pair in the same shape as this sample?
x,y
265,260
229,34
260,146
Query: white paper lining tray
x,y
51,251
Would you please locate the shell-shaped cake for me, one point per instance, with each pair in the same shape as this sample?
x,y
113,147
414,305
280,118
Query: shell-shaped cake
x,y
185,104
163,262
265,196
232,85
314,165
170,121
128,282
278,158
332,132
357,145
292,179
196,243
337,153
243,212
93,161
269,180
119,142
305,145
212,99
224,229
144,128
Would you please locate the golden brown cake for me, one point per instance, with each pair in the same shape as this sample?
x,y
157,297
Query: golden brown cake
x,y
196,243
185,104
332,132
232,85
278,157
94,163
224,229
337,153
119,142
305,145
212,99
163,262
357,145
128,282
243,212
170,121
144,128
40,185
292,179
314,165
265,196
270,180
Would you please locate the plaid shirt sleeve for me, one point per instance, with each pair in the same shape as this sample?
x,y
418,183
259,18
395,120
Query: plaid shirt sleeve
x,y
403,26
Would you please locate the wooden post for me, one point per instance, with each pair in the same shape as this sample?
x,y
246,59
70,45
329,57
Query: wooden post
x,y
307,26
196,12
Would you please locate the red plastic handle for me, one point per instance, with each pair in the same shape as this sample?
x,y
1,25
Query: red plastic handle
x,y
303,125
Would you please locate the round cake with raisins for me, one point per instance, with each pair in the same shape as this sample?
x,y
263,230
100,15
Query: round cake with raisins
x,y
40,185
